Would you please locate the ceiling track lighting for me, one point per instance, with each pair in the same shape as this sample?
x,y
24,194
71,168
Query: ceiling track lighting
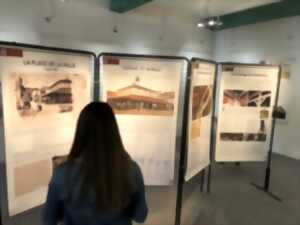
x,y
210,23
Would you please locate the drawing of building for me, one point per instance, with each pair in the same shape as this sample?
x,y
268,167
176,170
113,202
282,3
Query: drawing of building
x,y
136,99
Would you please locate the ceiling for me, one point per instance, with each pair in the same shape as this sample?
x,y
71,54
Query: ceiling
x,y
206,8
233,13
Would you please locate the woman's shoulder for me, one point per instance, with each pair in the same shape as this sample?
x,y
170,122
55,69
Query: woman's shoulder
x,y
135,166
137,172
65,169
59,173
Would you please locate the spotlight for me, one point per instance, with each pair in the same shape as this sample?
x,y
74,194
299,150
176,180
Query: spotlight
x,y
211,22
201,24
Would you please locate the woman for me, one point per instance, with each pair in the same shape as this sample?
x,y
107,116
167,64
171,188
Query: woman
x,y
98,184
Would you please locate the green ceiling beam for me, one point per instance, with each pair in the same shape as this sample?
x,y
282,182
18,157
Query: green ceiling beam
x,y
286,8
122,6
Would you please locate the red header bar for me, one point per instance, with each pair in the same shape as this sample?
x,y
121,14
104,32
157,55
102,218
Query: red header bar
x,y
11,52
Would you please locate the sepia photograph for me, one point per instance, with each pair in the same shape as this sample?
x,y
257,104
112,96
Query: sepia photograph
x,y
53,96
136,99
202,101
201,107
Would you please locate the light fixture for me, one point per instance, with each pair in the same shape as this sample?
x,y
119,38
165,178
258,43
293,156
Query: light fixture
x,y
201,24
211,23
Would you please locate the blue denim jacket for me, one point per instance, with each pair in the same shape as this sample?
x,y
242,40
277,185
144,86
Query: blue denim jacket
x,y
83,212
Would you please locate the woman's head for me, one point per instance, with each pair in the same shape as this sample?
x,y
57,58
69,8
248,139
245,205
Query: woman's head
x,y
105,165
97,132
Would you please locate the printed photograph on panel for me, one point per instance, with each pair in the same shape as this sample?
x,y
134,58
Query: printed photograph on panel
x,y
39,95
264,114
201,107
136,99
232,136
257,137
202,100
260,136
247,98
259,98
235,98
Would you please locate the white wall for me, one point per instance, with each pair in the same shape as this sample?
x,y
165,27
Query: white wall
x,y
88,25
277,42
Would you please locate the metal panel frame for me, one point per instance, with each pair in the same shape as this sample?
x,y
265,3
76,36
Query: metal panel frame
x,y
212,141
266,186
179,170
5,219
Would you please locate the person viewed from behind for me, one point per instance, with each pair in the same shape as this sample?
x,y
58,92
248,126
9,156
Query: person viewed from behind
x,y
99,184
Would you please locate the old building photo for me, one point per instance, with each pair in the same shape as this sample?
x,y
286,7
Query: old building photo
x,y
136,99
49,96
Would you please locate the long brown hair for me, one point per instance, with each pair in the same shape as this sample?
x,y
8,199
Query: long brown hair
x,y
105,165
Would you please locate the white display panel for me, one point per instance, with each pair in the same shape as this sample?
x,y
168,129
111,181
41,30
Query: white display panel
x,y
43,94
246,100
144,94
200,117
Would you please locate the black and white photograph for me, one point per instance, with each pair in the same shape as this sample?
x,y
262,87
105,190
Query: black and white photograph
x,y
33,100
259,99
42,95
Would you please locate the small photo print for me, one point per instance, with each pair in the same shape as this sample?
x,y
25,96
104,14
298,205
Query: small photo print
x,y
136,99
264,114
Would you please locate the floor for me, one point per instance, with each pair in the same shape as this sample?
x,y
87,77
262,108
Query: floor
x,y
233,201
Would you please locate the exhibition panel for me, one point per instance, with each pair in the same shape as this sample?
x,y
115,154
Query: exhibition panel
x,y
43,92
201,107
145,93
246,101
